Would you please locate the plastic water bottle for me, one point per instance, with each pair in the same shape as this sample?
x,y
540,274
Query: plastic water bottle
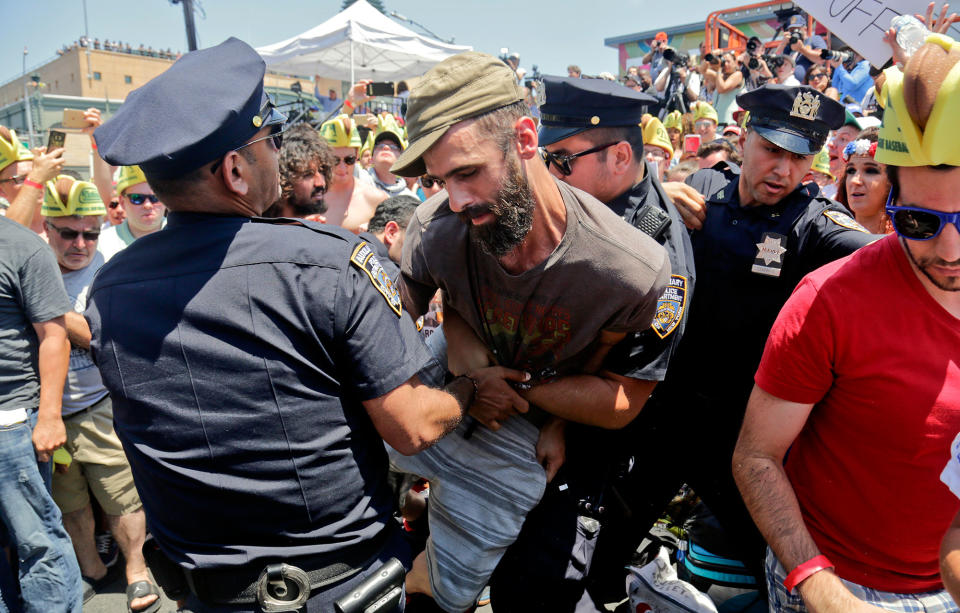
x,y
910,33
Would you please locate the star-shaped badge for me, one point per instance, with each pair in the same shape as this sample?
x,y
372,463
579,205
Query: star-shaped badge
x,y
770,250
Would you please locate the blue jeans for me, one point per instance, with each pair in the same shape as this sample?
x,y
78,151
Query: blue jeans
x,y
49,574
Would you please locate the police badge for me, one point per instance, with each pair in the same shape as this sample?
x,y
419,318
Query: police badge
x,y
805,106
670,306
364,259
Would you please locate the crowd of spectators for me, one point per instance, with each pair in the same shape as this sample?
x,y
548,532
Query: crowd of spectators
x,y
120,47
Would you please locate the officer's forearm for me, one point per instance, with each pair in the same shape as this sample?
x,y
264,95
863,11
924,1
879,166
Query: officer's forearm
x,y
607,400
413,416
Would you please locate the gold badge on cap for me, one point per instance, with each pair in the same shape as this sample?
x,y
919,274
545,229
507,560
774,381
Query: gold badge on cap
x,y
805,106
541,95
257,121
594,120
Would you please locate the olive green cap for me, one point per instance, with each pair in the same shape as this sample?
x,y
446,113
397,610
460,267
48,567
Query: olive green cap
x,y
458,88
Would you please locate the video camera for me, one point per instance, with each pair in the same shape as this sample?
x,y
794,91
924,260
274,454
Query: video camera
x,y
677,59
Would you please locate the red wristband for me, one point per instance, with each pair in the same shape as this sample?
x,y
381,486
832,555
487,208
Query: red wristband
x,y
93,144
32,184
348,104
803,571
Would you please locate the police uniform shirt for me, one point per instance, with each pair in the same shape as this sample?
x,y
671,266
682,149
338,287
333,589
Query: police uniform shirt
x,y
237,353
645,355
393,271
749,260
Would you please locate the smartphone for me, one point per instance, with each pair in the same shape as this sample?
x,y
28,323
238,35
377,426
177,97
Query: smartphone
x,y
73,118
56,140
380,88
691,143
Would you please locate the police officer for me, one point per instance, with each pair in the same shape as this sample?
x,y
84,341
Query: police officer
x,y
763,232
592,138
255,363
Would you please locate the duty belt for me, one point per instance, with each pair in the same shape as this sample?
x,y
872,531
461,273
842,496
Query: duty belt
x,y
241,584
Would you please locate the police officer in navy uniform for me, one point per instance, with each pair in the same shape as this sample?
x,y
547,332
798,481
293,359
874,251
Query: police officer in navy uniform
x,y
257,365
591,137
763,232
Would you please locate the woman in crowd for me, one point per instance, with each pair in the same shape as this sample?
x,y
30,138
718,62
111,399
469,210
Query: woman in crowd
x,y
818,77
729,84
673,122
864,187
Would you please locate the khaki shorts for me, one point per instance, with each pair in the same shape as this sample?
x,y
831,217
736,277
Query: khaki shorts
x,y
98,463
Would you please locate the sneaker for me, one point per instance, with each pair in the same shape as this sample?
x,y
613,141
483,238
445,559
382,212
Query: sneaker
x,y
107,548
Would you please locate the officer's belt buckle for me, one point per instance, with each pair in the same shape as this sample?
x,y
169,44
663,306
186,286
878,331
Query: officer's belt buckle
x,y
282,588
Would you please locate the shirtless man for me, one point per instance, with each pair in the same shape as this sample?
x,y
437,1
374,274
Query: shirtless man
x,y
350,203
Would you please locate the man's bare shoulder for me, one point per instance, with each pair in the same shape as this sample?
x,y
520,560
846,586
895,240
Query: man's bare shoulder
x,y
368,195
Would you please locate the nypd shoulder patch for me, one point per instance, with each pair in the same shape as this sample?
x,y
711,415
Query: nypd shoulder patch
x,y
842,219
670,306
366,260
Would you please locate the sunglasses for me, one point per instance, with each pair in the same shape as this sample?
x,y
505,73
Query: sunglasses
x,y
17,179
429,182
350,160
114,204
917,224
562,162
702,123
817,75
139,199
71,235
388,145
275,136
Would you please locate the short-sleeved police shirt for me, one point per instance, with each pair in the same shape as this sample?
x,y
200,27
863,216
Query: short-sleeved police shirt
x,y
237,353
31,291
645,355
749,260
393,271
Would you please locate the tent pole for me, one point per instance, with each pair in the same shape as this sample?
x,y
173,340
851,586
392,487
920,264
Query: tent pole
x,y
352,77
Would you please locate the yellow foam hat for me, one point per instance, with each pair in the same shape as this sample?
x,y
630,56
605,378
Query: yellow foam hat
x,y
84,199
13,151
367,145
821,163
655,134
340,132
129,175
705,111
388,123
673,120
901,142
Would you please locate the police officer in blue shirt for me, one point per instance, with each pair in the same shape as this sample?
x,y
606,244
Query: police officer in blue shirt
x,y
764,230
591,138
256,365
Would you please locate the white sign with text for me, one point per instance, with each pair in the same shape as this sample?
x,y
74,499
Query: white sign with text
x,y
861,23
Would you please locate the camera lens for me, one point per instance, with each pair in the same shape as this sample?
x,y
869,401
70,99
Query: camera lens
x,y
753,63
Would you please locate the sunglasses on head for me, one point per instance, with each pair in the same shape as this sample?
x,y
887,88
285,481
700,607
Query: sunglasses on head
x,y
68,234
139,199
428,181
349,160
919,224
562,162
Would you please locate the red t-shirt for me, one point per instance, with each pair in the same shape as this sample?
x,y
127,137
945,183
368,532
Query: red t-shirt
x,y
880,358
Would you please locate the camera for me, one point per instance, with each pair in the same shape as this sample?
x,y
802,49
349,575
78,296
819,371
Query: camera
x,y
794,38
711,58
753,46
840,56
670,54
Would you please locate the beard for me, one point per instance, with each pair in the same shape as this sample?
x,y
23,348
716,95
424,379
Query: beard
x,y
513,208
924,265
309,206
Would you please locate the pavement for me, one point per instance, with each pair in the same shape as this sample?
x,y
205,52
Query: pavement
x,y
113,598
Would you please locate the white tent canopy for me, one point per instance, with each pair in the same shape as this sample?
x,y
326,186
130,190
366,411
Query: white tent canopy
x,y
358,43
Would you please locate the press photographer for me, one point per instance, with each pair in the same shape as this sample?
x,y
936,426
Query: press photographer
x,y
676,84
756,72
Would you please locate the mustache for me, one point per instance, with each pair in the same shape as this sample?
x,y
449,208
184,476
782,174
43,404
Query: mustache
x,y
474,211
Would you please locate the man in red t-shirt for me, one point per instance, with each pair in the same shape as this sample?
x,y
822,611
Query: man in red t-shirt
x,y
860,380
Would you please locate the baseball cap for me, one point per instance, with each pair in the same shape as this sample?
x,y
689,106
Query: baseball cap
x,y
661,36
458,88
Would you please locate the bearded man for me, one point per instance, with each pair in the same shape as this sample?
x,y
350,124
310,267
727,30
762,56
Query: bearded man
x,y
522,259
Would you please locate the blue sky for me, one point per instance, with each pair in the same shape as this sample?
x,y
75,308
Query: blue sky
x,y
551,34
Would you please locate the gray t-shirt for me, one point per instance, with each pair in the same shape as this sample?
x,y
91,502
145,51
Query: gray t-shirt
x,y
84,387
30,292
604,275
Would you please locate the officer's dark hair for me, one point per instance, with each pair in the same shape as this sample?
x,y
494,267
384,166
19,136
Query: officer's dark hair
x,y
301,146
499,123
169,190
633,135
395,208
720,144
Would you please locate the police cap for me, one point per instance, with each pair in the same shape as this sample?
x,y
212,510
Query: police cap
x,y
569,106
797,119
208,103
